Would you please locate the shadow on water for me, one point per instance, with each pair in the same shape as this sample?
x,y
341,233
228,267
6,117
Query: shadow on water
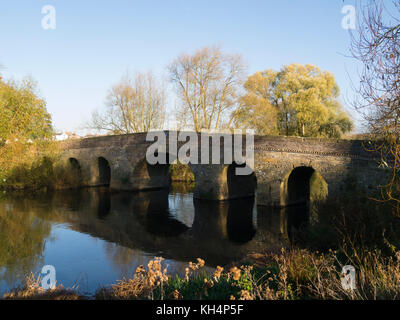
x,y
158,220
240,221
297,219
166,223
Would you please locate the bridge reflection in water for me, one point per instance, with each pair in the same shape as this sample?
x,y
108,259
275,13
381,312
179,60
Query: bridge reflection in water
x,y
171,223
141,225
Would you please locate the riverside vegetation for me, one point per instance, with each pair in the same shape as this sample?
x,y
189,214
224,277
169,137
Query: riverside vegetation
x,y
28,152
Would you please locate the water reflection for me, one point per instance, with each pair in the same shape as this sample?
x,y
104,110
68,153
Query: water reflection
x,y
297,217
22,238
107,235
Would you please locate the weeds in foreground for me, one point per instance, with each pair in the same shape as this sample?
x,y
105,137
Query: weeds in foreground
x,y
289,275
32,290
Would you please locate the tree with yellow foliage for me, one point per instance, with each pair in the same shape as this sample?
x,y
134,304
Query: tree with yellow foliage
x,y
299,100
23,114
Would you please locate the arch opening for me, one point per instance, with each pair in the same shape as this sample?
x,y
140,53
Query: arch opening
x,y
76,171
299,185
159,176
74,163
298,199
240,186
104,172
305,188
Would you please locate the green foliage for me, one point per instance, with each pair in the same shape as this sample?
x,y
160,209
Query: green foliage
x,y
195,288
23,114
28,154
181,172
298,100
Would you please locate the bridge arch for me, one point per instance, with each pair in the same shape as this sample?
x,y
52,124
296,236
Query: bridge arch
x,y
76,172
104,172
74,164
158,176
301,190
302,185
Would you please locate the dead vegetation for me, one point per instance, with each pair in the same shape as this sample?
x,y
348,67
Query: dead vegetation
x,y
32,290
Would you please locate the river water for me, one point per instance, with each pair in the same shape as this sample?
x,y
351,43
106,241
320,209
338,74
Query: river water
x,y
94,237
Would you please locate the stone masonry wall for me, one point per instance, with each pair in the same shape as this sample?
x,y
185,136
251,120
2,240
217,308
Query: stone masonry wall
x,y
336,161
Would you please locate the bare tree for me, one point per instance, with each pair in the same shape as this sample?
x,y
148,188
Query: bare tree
x,y
376,44
207,84
135,104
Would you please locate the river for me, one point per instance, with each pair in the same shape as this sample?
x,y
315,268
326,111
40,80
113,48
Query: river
x,y
94,237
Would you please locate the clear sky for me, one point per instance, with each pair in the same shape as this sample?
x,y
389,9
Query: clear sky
x,y
95,42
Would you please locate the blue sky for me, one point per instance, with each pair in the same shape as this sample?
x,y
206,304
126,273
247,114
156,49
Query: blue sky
x,y
96,42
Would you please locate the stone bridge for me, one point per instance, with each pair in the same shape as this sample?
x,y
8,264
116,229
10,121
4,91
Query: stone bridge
x,y
286,170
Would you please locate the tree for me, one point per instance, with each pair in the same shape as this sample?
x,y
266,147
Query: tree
x,y
256,109
23,114
135,104
297,100
207,84
376,44
26,136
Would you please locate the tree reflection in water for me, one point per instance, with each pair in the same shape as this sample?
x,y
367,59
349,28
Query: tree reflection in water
x,y
22,239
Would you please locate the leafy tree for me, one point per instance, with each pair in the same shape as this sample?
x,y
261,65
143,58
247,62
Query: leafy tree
x,y
297,100
23,113
256,108
26,136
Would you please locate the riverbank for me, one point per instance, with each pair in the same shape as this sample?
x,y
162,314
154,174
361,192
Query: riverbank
x,y
33,166
289,275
